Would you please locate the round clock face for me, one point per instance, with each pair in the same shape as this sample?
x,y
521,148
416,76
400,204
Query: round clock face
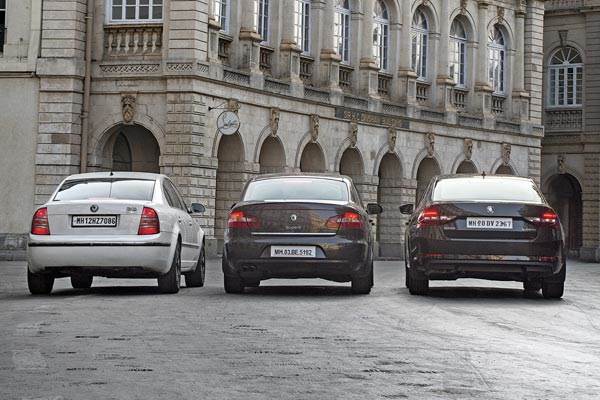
x,y
228,123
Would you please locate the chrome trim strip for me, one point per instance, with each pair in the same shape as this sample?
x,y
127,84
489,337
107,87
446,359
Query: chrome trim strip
x,y
292,234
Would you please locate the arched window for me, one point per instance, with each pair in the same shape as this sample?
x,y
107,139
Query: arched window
x,y
565,78
221,13
381,34
458,53
496,60
302,24
419,38
342,29
263,19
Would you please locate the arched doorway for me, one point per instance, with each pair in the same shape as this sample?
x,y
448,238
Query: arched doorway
x,y
272,156
390,224
505,170
428,169
466,167
351,163
131,148
230,180
564,195
312,159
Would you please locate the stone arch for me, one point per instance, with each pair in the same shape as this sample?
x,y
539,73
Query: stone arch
x,y
127,148
351,163
466,167
231,178
312,158
431,13
427,170
499,165
468,22
563,192
272,156
556,45
390,224
505,28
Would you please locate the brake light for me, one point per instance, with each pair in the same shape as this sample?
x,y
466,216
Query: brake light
x,y
39,223
149,223
432,216
548,217
347,220
239,220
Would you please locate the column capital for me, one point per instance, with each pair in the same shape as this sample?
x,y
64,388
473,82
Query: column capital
x,y
482,4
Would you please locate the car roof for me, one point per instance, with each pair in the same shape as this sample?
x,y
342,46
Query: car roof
x,y
116,175
317,175
483,176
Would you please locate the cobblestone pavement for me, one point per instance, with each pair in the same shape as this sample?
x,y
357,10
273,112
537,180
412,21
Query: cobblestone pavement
x,y
288,340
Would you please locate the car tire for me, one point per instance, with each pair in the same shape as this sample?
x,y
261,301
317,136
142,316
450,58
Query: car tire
x,y
39,283
196,278
553,287
82,281
363,284
418,283
233,285
171,281
532,286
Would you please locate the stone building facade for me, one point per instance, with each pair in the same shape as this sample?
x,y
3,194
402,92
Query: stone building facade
x,y
389,92
571,146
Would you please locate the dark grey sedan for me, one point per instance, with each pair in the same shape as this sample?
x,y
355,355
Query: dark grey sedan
x,y
299,226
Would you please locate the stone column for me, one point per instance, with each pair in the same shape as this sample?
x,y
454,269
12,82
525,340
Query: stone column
x,y
249,38
590,251
444,83
368,68
289,49
329,59
407,78
520,97
534,58
482,100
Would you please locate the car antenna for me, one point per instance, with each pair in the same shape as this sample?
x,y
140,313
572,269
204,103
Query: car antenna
x,y
111,173
483,174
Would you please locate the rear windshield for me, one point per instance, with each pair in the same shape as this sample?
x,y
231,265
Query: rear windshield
x,y
490,189
297,189
126,189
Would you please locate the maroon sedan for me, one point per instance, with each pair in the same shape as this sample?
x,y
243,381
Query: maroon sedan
x,y
299,226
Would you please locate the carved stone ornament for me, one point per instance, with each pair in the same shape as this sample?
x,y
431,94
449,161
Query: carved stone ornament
x,y
468,149
463,6
392,136
128,108
424,3
562,36
560,161
353,134
500,12
430,144
233,105
314,127
274,121
506,148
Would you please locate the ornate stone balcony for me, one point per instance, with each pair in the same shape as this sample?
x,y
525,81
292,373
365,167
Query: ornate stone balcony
x,y
422,94
345,78
459,98
266,60
558,5
498,104
563,120
224,44
384,81
306,70
133,40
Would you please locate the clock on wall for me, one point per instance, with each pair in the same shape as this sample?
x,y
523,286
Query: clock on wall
x,y
228,122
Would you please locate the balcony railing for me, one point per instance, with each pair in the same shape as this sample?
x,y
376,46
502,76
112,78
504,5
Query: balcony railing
x,y
563,120
345,78
555,5
306,70
133,40
498,104
224,45
459,98
384,82
266,61
422,94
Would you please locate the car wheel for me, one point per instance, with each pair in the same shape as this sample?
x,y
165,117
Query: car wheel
x,y
418,283
171,281
363,284
196,278
532,286
233,284
554,287
39,283
82,281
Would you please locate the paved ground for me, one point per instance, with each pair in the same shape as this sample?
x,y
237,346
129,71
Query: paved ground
x,y
469,339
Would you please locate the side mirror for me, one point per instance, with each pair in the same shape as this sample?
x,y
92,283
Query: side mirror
x,y
197,208
374,209
407,209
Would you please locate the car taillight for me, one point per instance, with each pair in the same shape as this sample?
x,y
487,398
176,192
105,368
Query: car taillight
x,y
548,218
239,220
347,220
432,216
149,223
39,223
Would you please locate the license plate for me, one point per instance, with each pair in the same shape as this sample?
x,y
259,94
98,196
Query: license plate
x,y
489,223
294,251
108,221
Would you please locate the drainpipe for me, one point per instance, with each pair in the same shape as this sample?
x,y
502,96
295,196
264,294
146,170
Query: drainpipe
x,y
89,19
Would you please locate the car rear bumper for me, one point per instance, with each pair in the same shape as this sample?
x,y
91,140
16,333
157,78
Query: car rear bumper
x,y
136,258
337,260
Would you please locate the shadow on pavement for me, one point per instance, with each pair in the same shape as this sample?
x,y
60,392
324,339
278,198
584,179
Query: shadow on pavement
x,y
308,291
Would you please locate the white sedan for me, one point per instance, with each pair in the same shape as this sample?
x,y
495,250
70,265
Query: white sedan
x,y
119,225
